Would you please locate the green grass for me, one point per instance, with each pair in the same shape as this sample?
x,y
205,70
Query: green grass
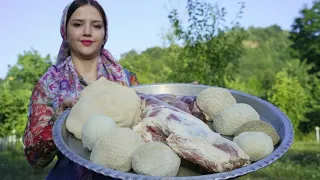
x,y
14,166
302,161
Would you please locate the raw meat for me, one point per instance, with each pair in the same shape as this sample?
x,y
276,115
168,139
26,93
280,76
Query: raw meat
x,y
184,103
195,110
165,97
188,136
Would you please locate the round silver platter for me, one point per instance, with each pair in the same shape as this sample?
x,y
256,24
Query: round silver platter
x,y
72,148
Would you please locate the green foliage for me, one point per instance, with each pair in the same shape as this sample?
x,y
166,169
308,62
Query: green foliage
x,y
207,48
150,66
290,97
13,109
253,85
15,91
314,114
29,68
311,84
265,55
305,35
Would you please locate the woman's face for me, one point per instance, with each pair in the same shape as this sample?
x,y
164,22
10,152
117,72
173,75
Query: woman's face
x,y
85,32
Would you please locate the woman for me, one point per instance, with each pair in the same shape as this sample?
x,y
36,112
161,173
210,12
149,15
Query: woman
x,y
81,60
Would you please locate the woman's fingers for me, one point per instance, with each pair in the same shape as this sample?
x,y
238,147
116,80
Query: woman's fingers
x,y
68,103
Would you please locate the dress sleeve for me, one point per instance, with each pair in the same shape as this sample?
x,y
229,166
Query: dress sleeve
x,y
39,146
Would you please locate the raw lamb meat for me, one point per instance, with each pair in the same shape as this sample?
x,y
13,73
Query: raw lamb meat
x,y
165,97
184,103
195,110
189,137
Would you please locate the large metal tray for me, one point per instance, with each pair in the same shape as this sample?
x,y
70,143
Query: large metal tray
x,y
72,147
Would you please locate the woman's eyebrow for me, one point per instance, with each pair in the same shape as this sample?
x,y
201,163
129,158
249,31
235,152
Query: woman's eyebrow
x,y
81,20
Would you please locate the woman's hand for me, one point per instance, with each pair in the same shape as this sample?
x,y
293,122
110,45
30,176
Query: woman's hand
x,y
67,103
195,82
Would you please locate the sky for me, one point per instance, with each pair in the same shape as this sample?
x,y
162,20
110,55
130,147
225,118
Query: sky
x,y
133,24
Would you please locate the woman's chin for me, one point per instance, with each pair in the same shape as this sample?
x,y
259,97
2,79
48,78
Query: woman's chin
x,y
88,55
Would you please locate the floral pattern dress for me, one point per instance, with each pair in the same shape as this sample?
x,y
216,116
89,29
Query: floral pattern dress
x,y
57,83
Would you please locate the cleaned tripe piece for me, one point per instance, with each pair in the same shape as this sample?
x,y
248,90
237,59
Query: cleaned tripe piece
x,y
190,138
213,100
257,145
155,159
115,150
230,119
260,126
108,98
95,127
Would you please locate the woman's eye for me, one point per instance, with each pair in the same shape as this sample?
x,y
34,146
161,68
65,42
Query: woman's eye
x,y
98,26
76,24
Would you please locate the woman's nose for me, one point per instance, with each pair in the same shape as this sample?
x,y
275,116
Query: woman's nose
x,y
87,30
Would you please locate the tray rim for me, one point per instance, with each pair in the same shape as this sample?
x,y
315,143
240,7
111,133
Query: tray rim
x,y
275,155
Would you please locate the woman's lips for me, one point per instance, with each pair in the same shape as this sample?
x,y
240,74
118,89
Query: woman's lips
x,y
86,42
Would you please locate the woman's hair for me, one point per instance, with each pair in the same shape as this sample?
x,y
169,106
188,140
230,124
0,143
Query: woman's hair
x,y
78,3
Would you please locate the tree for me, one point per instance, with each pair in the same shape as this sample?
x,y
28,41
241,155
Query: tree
x,y
311,84
16,88
253,85
13,109
29,68
265,54
290,97
208,45
305,35
151,66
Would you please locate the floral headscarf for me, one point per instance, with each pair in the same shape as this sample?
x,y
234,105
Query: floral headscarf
x,y
107,59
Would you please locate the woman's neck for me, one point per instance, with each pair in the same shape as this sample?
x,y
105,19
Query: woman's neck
x,y
86,68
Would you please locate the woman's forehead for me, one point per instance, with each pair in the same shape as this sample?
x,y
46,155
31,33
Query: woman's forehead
x,y
86,12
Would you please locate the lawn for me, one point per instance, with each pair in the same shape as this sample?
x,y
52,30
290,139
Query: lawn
x,y
302,161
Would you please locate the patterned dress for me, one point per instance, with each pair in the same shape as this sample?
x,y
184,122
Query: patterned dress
x,y
57,83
